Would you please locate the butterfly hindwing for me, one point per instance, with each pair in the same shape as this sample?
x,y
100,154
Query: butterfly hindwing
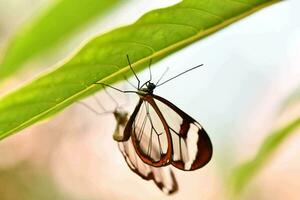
x,y
163,177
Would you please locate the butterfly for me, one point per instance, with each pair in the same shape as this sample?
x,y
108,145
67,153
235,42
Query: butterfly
x,y
163,178
161,133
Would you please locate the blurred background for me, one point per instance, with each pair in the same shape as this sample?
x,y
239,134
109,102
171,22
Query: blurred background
x,y
246,90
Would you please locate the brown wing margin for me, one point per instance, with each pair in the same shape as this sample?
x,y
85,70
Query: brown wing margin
x,y
188,125
130,129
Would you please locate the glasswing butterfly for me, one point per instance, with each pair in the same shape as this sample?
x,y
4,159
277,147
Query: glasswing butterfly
x,y
163,178
163,134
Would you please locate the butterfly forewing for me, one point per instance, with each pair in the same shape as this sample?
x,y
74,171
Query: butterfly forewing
x,y
192,147
151,137
188,145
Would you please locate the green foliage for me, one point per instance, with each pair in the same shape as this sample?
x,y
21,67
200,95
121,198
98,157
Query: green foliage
x,y
48,29
155,35
244,173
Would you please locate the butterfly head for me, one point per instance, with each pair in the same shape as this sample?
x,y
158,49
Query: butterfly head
x,y
148,88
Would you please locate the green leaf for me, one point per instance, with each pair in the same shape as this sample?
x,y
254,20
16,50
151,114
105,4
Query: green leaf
x,y
244,173
155,35
52,26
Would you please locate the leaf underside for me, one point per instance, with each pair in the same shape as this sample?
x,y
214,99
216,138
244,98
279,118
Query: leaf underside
x,y
155,35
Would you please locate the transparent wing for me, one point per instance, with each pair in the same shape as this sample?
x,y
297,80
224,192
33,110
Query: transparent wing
x,y
163,177
192,148
150,135
180,139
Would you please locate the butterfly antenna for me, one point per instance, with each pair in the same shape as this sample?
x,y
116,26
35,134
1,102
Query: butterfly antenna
x,y
126,79
180,74
133,71
132,85
163,74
